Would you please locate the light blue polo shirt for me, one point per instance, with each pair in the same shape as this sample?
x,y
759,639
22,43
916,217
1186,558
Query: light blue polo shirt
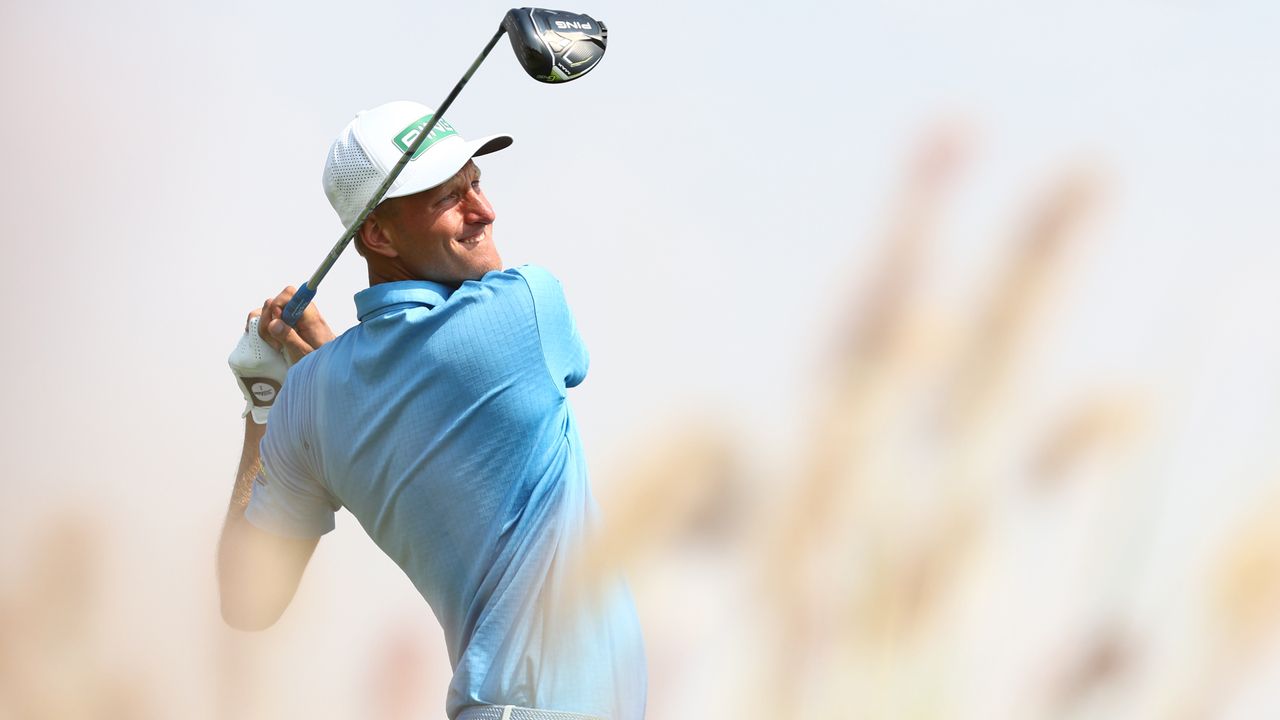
x,y
441,423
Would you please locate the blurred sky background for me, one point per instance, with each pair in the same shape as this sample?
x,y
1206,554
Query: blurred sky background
x,y
711,197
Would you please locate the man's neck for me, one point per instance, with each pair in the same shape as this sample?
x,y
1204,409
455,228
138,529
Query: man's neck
x,y
385,272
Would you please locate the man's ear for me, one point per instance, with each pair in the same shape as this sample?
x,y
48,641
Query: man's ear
x,y
375,237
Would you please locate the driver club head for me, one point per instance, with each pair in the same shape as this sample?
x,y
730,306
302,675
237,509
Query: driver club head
x,y
554,46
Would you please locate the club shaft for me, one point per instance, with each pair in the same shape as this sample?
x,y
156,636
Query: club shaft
x,y
292,314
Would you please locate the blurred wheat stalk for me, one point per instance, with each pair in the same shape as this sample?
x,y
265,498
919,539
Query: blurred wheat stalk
x,y
867,564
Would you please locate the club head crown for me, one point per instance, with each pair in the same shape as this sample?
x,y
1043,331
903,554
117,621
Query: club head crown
x,y
554,46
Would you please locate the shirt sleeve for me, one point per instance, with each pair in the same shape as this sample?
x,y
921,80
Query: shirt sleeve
x,y
565,353
288,498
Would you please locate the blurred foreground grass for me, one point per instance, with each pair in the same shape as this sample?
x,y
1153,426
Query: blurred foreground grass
x,y
930,554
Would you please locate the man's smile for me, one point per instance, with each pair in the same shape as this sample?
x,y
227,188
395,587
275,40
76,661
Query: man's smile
x,y
471,240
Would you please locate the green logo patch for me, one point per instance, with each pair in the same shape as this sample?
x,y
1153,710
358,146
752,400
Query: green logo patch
x,y
406,137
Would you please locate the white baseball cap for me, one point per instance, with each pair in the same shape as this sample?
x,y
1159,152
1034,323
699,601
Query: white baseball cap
x,y
371,144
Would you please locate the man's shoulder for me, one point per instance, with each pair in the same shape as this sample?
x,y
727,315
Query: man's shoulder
x,y
528,287
544,288
533,276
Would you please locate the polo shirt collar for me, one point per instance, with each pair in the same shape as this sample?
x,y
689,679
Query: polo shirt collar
x,y
381,298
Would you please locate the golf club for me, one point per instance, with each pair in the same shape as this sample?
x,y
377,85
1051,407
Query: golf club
x,y
552,47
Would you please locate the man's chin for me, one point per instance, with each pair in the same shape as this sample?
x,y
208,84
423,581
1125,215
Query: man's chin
x,y
479,270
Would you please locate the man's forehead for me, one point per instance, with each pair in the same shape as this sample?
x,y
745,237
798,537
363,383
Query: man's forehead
x,y
468,174
465,176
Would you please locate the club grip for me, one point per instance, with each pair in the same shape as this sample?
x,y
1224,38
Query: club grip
x,y
297,304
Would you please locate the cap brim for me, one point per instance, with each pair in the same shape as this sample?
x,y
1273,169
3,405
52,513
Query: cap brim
x,y
443,161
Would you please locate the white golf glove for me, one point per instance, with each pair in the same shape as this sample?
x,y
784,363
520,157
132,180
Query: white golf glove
x,y
259,370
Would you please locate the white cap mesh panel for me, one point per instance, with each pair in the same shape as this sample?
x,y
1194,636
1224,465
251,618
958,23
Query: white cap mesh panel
x,y
350,177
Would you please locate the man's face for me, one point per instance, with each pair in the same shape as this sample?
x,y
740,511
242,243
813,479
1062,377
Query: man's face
x,y
444,234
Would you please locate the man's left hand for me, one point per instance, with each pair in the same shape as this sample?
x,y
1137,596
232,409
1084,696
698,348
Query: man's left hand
x,y
259,369
267,349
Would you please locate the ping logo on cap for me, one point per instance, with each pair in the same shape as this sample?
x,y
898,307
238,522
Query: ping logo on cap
x,y
406,137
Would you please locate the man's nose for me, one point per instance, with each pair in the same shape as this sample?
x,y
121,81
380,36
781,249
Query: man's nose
x,y
478,208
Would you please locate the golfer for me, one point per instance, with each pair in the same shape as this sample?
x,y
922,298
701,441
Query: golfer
x,y
441,423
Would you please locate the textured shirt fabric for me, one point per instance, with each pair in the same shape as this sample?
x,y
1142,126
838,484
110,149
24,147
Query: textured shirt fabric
x,y
441,423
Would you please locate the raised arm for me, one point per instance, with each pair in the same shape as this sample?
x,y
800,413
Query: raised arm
x,y
258,571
